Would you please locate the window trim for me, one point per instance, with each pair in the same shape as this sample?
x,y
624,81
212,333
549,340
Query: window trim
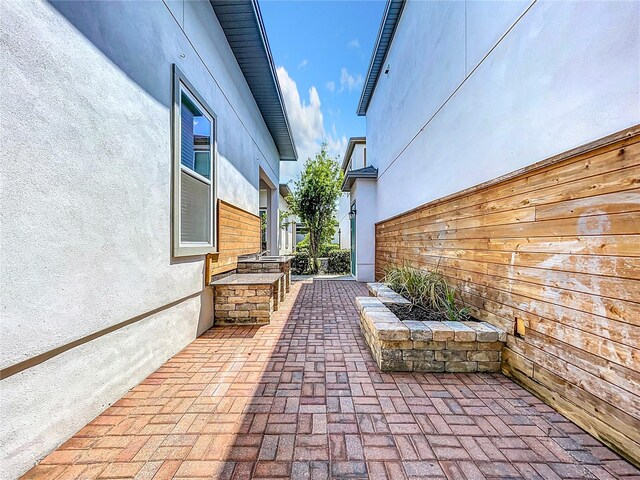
x,y
179,248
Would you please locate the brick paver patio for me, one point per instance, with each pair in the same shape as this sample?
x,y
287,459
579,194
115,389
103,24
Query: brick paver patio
x,y
302,398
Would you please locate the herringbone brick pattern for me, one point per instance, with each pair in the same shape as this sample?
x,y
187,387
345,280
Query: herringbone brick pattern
x,y
302,398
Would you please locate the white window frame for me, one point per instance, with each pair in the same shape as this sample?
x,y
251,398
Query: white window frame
x,y
181,85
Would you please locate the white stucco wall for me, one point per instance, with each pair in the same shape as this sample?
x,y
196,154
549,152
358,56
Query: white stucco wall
x,y
344,206
454,111
357,159
363,192
86,202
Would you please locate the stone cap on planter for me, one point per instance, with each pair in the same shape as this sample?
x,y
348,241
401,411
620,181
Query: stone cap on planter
x,y
385,294
387,326
427,346
248,279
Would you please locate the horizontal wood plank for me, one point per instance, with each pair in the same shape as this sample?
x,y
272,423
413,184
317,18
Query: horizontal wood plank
x,y
238,234
611,182
557,247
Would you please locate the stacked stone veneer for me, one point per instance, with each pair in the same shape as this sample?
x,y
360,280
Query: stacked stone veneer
x,y
258,266
250,303
415,346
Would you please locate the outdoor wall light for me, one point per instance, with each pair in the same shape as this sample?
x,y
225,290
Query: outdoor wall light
x,y
352,214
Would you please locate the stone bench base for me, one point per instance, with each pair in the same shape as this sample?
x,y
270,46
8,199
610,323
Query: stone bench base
x,y
255,265
414,346
247,299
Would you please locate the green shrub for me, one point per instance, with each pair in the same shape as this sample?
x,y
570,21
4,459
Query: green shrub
x,y
303,245
323,250
425,289
339,261
300,263
327,248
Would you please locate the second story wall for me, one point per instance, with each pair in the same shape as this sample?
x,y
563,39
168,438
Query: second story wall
x,y
478,89
358,157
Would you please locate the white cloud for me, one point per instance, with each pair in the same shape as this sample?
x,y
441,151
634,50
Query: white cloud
x,y
307,125
337,146
303,64
348,81
306,118
331,86
354,44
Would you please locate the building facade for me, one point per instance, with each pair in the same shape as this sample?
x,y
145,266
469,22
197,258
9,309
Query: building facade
x,y
498,74
356,230
151,145
287,221
353,158
506,157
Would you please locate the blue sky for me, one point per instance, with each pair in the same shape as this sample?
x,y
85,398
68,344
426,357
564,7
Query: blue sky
x,y
321,50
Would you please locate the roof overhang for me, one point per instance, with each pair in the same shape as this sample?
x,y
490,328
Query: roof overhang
x,y
242,24
284,189
351,176
390,19
353,141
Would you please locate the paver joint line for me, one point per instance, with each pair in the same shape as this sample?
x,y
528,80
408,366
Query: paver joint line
x,y
302,398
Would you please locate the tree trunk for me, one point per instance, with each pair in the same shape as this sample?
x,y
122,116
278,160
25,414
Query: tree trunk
x,y
314,240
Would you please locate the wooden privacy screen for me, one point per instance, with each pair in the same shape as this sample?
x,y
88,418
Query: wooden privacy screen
x,y
556,250
238,234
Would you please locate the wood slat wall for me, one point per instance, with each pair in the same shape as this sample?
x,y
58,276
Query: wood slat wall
x,y
238,234
558,249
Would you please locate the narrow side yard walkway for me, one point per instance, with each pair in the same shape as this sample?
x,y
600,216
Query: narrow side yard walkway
x,y
303,399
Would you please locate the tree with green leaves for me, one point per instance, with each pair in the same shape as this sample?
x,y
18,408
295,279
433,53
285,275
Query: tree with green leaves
x,y
314,199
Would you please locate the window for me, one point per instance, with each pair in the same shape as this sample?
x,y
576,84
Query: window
x,y
194,169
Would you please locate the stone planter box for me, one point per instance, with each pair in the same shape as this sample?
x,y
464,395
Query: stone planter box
x,y
415,346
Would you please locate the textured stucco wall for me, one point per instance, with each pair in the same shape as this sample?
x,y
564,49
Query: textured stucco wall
x,y
357,160
363,192
453,112
357,157
43,405
344,205
86,201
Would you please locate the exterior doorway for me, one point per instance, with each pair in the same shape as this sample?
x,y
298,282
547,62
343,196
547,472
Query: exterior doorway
x,y
268,211
352,219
